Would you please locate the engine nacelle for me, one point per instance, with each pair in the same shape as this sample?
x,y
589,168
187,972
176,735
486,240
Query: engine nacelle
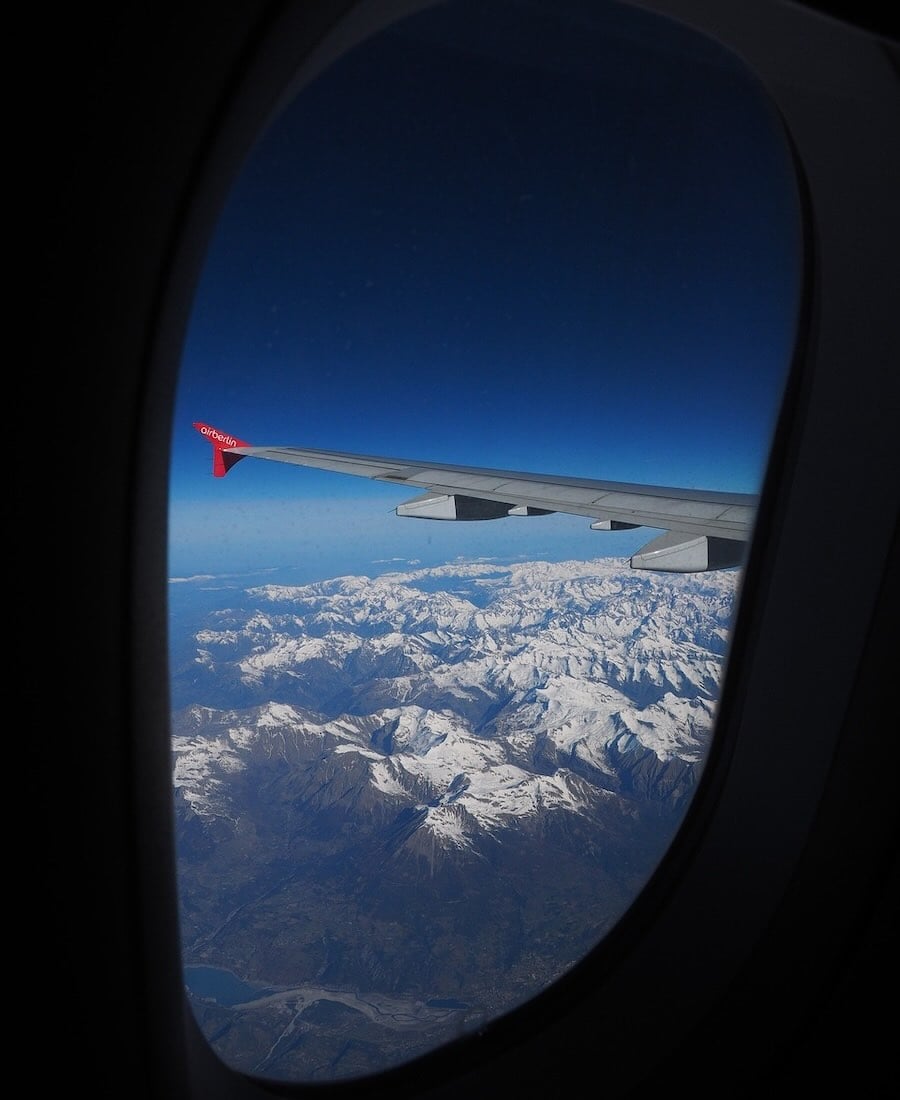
x,y
676,552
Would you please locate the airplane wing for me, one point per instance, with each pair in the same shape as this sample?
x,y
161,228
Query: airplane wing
x,y
702,530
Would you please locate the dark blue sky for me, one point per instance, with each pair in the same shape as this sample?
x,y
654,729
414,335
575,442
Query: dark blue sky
x,y
496,234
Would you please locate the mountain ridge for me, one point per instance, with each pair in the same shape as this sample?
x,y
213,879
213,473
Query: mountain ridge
x,y
502,762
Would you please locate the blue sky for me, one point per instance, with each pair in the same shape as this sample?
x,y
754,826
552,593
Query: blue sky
x,y
497,235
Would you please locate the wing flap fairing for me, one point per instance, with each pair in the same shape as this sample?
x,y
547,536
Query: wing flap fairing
x,y
671,552
453,506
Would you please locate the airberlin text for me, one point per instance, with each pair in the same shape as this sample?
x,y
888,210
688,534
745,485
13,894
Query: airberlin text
x,y
225,440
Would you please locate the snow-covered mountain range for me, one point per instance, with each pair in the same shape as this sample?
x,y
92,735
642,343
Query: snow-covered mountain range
x,y
441,786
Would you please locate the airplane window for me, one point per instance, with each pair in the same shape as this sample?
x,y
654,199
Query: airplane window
x,y
421,769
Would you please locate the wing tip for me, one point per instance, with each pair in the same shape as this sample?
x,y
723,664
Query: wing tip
x,y
222,443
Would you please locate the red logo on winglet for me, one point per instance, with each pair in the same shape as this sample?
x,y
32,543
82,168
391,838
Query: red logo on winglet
x,y
221,444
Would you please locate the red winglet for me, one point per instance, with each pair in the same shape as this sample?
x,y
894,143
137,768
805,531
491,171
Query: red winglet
x,y
223,457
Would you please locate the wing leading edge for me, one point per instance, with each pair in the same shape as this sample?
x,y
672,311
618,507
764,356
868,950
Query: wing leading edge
x,y
702,530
